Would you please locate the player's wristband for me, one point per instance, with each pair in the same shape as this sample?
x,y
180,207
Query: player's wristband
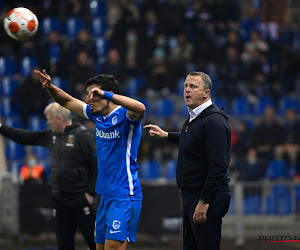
x,y
108,95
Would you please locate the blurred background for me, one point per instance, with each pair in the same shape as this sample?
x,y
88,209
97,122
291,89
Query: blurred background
x,y
250,49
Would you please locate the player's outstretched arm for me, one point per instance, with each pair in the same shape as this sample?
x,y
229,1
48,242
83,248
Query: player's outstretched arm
x,y
60,96
136,109
156,131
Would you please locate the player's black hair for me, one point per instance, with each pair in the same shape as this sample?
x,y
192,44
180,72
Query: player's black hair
x,y
105,82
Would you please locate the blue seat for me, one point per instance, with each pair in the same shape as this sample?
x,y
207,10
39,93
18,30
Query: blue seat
x,y
180,86
277,169
7,109
253,205
231,209
8,66
8,86
146,102
98,27
13,122
221,103
36,123
279,201
293,170
164,108
288,103
134,85
50,24
261,104
240,106
72,26
15,165
54,53
183,110
102,46
40,152
45,163
14,151
27,64
98,8
60,82
250,124
171,166
297,193
149,169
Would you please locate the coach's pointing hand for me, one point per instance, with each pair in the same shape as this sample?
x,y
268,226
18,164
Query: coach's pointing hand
x,y
156,131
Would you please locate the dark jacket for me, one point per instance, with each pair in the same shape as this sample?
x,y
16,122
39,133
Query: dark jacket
x,y
72,156
204,153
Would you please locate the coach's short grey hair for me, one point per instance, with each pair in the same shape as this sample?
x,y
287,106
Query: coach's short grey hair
x,y
56,109
207,83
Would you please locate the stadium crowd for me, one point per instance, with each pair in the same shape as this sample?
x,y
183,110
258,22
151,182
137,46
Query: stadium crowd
x,y
251,49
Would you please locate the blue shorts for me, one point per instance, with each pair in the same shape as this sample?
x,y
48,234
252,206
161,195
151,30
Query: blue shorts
x,y
117,219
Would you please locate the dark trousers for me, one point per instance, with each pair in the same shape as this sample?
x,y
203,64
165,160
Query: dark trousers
x,y
206,236
71,212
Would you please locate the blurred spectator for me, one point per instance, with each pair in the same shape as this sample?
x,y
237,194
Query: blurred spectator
x,y
225,11
230,71
76,8
28,48
272,15
82,69
250,23
267,135
232,41
290,148
52,54
181,53
131,53
127,19
254,54
149,28
83,42
252,169
198,20
171,15
32,171
157,69
113,66
31,97
242,141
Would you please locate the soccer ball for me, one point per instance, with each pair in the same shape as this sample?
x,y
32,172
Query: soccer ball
x,y
21,23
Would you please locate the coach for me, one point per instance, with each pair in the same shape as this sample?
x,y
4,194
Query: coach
x,y
73,172
202,165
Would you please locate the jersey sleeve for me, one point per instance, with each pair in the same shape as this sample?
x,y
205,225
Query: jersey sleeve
x,y
132,122
88,113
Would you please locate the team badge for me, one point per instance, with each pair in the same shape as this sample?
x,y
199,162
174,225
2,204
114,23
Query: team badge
x,y
116,224
71,140
114,120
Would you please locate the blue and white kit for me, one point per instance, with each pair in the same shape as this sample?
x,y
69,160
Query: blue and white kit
x,y
117,139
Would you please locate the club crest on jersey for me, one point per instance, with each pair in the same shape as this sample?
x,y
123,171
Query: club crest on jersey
x,y
53,139
110,135
71,140
114,120
116,224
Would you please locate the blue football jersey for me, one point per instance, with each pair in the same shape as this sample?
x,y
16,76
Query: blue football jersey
x,y
117,139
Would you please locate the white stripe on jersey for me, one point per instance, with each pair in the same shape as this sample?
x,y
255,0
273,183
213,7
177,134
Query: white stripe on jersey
x,y
129,141
84,111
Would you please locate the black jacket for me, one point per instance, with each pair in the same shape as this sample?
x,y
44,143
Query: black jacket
x,y
72,156
204,153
